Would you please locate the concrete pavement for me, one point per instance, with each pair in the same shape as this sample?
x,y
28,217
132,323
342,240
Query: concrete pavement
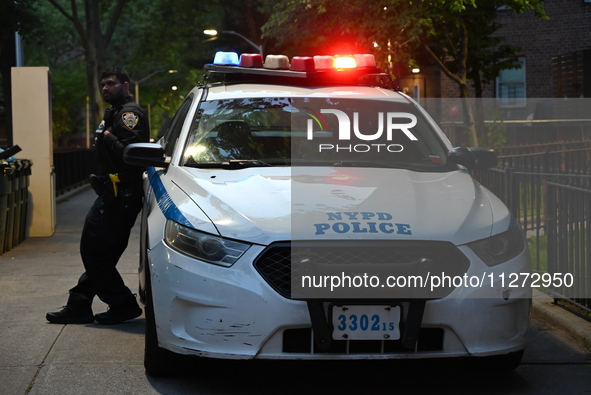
x,y
41,358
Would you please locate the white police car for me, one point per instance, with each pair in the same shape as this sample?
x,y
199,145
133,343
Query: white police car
x,y
304,210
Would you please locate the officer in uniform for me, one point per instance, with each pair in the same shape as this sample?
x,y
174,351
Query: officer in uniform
x,y
109,221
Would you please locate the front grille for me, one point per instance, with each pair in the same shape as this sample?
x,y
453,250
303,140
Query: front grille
x,y
275,263
301,341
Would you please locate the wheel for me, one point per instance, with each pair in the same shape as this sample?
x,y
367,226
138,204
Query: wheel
x,y
157,361
143,261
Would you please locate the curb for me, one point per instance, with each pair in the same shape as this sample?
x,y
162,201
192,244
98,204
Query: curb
x,y
580,329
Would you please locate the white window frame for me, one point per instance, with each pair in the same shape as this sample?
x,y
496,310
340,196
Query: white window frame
x,y
511,89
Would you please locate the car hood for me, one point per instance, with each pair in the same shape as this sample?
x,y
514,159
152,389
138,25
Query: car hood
x,y
262,205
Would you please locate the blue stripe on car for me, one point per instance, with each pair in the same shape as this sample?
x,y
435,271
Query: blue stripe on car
x,y
165,202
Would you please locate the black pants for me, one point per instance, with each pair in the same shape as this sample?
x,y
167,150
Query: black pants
x,y
104,239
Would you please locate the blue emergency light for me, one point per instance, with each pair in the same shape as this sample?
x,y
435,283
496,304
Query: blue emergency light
x,y
226,58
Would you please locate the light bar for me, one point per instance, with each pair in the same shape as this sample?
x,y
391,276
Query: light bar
x,y
323,62
358,69
365,60
302,63
251,60
277,62
344,62
298,63
226,58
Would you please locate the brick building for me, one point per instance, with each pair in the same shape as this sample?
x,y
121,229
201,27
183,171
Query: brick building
x,y
556,63
566,34
556,52
564,39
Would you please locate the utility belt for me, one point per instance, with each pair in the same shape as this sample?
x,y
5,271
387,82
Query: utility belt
x,y
112,187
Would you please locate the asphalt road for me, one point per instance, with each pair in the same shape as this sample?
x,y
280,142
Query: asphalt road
x,y
39,358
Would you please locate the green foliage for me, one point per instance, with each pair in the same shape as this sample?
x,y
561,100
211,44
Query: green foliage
x,y
538,250
395,30
496,132
56,45
150,36
69,109
170,100
56,42
328,27
18,16
159,35
456,35
15,16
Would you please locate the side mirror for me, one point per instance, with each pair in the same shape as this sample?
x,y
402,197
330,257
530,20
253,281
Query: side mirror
x,y
145,154
473,157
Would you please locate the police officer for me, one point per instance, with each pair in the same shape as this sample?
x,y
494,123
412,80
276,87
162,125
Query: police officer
x,y
109,221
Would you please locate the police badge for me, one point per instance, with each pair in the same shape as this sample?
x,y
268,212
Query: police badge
x,y
130,119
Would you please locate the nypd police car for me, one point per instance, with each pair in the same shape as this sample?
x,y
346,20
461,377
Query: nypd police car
x,y
303,209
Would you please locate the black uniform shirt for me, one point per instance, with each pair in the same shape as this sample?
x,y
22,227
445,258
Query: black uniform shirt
x,y
129,125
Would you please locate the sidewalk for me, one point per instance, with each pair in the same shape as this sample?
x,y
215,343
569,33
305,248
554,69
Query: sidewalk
x,y
40,358
578,328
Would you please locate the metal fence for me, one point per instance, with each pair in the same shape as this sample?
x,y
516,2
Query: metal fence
x,y
569,242
72,168
549,193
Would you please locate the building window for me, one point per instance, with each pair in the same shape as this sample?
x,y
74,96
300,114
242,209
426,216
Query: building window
x,y
511,86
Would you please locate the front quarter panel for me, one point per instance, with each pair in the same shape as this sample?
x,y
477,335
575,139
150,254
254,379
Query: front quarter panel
x,y
169,201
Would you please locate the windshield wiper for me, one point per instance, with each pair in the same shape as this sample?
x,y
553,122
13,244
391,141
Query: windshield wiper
x,y
242,163
231,164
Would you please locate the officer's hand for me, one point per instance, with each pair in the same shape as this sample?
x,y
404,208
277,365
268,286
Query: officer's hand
x,y
108,117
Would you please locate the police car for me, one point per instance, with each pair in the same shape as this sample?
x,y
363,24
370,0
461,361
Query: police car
x,y
303,209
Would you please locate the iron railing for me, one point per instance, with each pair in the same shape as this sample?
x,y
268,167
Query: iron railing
x,y
549,193
72,168
568,212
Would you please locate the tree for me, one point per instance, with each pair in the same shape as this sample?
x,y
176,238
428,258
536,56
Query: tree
x,y
399,30
487,56
57,46
153,37
172,38
15,16
458,36
94,41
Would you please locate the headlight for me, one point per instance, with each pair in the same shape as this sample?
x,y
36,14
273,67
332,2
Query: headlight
x,y
203,246
500,248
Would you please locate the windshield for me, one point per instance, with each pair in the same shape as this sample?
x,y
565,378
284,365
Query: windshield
x,y
313,132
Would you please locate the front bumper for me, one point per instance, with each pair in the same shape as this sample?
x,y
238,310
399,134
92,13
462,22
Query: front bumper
x,y
206,310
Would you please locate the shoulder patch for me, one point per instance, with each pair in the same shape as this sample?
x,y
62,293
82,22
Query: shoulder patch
x,y
130,119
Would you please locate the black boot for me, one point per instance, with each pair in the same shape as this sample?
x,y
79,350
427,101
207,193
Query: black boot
x,y
128,310
78,310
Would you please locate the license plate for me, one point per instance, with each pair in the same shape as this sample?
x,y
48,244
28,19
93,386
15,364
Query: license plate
x,y
366,322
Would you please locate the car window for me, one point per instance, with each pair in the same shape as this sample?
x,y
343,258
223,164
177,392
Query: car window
x,y
312,131
172,134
